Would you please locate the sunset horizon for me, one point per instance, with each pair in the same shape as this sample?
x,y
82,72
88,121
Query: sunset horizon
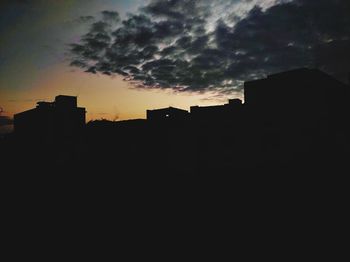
x,y
121,58
213,107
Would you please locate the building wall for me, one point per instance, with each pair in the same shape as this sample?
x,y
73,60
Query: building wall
x,y
222,113
296,110
166,114
51,120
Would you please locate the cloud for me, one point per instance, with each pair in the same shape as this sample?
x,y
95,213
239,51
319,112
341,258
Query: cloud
x,y
111,16
203,46
24,101
301,33
85,19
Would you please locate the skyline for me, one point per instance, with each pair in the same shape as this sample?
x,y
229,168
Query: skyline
x,y
267,132
244,40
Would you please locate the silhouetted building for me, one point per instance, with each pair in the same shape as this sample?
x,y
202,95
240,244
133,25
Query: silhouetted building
x,y
297,112
290,123
169,114
301,95
226,112
51,120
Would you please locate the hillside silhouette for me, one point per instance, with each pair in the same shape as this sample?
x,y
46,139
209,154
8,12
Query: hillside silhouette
x,y
290,123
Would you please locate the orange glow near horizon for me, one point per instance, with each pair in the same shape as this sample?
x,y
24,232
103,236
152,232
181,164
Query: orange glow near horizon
x,y
103,96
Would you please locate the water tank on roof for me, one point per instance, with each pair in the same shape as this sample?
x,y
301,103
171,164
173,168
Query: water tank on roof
x,y
235,101
62,101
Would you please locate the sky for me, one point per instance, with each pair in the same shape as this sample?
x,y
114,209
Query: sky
x,y
122,57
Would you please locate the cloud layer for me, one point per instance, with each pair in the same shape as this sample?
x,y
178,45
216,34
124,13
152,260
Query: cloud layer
x,y
199,46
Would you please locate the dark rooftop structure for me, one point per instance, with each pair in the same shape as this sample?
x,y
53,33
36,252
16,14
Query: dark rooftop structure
x,y
51,120
302,95
297,88
297,111
169,114
216,113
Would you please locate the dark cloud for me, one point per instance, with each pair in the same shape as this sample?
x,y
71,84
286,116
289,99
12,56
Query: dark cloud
x,y
175,44
301,33
111,16
173,9
85,19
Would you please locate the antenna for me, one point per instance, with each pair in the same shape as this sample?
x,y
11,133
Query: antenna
x,y
77,92
116,114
